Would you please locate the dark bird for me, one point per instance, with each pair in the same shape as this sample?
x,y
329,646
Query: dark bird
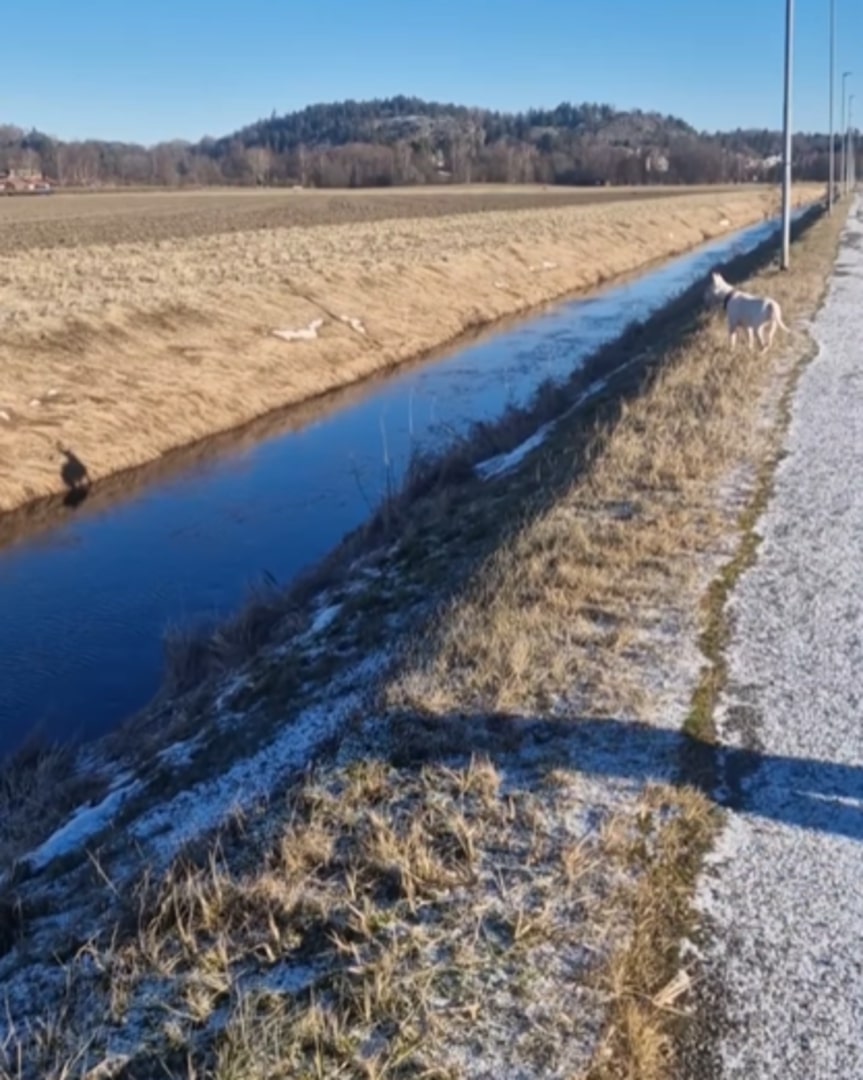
x,y
73,473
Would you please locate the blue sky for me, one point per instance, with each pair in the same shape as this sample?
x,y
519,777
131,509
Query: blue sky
x,y
146,70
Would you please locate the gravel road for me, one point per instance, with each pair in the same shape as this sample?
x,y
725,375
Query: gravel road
x,y
784,893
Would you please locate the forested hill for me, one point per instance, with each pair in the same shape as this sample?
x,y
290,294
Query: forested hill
x,y
404,140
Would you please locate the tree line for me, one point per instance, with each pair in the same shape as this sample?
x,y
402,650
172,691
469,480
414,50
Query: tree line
x,y
401,140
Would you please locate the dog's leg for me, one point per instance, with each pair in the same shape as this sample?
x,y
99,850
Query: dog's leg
x,y
732,337
750,336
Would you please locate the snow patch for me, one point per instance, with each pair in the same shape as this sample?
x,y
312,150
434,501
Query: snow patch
x,y
201,808
353,323
285,979
180,754
83,825
503,463
305,333
229,690
323,619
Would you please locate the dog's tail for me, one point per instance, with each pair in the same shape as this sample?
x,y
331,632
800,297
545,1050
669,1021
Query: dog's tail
x,y
777,316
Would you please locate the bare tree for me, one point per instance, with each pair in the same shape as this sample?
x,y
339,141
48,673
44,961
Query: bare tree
x,y
260,160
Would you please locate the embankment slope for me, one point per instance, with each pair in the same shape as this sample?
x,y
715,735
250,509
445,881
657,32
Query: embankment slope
x,y
124,351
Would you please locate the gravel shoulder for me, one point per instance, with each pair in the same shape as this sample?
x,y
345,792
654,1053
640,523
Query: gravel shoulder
x,y
783,892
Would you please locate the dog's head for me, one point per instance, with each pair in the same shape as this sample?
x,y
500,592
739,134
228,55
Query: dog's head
x,y
716,289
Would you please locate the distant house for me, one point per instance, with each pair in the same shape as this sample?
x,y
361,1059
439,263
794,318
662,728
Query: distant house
x,y
655,162
23,182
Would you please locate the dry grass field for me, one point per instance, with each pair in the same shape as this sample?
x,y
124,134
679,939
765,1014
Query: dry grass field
x,y
133,324
68,219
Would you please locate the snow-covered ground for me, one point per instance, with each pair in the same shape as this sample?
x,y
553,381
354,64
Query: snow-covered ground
x,y
784,892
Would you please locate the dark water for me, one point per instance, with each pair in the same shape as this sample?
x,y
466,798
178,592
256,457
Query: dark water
x,y
85,604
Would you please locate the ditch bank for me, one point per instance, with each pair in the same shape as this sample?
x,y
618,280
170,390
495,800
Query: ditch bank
x,y
120,353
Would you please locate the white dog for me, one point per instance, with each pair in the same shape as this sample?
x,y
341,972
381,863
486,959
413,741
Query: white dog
x,y
758,317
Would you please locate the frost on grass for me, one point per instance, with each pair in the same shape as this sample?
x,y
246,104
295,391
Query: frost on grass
x,y
201,808
180,754
437,918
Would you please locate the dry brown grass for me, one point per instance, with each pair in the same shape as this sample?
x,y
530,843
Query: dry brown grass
x,y
381,922
582,607
645,979
457,888
124,351
616,524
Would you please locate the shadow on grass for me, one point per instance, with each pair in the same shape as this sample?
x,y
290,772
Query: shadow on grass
x,y
806,793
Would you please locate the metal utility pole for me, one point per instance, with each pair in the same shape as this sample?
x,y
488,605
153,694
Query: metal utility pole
x,y
786,120
845,75
848,144
832,182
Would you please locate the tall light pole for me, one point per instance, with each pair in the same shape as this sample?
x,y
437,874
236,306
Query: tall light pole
x,y
786,122
848,144
845,75
832,181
